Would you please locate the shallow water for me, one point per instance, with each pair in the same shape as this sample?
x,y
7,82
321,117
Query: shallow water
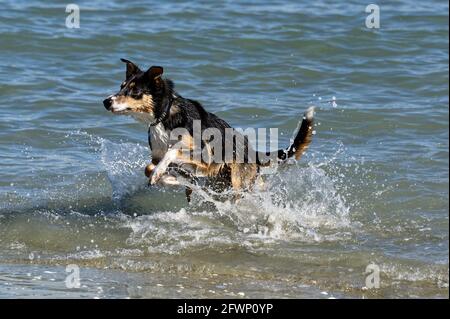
x,y
372,188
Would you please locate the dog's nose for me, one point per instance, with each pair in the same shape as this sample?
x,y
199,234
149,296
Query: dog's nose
x,y
107,103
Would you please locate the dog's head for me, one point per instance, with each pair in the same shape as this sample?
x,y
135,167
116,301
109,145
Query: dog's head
x,y
141,92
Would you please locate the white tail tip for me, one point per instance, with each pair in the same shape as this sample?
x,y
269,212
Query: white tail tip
x,y
309,114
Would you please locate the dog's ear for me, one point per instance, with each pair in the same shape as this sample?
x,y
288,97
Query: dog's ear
x,y
154,72
132,68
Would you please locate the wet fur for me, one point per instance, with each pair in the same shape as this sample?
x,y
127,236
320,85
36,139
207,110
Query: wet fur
x,y
152,99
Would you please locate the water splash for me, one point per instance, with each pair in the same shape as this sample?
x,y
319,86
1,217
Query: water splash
x,y
298,203
124,164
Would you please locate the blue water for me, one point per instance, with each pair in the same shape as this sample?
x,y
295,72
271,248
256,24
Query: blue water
x,y
372,188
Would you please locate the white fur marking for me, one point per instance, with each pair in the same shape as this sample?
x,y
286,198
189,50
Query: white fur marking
x,y
309,114
170,180
162,166
159,138
119,107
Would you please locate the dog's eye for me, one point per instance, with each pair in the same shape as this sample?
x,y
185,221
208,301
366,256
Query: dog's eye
x,y
136,93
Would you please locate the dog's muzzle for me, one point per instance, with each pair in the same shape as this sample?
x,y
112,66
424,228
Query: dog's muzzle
x,y
107,103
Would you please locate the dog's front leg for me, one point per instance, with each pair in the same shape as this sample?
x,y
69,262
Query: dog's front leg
x,y
162,166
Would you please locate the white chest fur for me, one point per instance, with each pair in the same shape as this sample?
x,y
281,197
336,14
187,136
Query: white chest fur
x,y
159,139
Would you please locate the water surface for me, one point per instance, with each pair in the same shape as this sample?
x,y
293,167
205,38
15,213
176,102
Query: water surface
x,y
372,188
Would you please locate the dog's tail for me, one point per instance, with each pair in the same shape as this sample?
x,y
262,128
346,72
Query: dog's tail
x,y
300,144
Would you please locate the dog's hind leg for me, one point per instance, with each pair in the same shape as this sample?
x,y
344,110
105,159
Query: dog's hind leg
x,y
188,192
243,177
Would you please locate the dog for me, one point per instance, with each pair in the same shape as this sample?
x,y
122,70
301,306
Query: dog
x,y
152,99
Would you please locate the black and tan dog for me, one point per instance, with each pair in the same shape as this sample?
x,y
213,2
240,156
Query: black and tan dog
x,y
149,97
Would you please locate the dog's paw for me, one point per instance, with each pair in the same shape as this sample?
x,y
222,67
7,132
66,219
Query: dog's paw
x,y
149,169
169,180
156,176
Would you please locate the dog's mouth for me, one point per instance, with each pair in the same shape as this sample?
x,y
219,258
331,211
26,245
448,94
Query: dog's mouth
x,y
121,111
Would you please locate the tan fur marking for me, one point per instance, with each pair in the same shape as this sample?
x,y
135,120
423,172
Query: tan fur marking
x,y
144,104
185,156
243,176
